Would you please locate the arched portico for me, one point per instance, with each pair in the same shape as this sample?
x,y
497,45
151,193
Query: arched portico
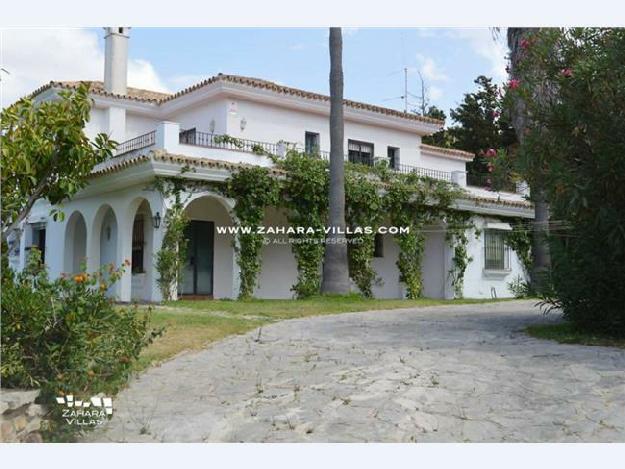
x,y
75,252
211,268
142,249
103,242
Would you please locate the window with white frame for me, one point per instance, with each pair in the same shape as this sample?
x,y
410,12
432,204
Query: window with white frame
x,y
496,251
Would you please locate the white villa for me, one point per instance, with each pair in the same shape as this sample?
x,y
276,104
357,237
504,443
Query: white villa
x,y
117,217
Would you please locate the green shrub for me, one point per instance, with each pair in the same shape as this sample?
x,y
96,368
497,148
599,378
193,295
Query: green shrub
x,y
520,288
571,82
66,337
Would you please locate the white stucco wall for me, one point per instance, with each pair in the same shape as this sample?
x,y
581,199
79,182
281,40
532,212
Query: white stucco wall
x,y
272,123
99,250
477,281
97,122
435,267
279,268
441,164
200,116
387,271
137,124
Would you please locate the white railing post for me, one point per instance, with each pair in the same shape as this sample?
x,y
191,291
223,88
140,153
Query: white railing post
x,y
459,178
167,136
523,188
281,149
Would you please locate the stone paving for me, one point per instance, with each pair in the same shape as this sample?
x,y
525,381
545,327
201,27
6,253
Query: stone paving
x,y
461,373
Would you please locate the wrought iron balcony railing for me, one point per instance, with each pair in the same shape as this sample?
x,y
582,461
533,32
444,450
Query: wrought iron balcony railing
x,y
207,140
137,143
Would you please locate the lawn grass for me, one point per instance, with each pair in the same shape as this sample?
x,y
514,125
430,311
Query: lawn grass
x,y
567,333
193,324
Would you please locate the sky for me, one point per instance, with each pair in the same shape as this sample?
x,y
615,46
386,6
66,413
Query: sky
x,y
170,59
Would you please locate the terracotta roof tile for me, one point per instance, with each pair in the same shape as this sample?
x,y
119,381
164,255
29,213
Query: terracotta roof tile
x,y
452,152
269,85
157,97
97,87
119,164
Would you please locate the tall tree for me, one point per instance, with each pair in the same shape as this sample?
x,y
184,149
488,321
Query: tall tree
x,y
335,266
571,83
442,138
479,124
45,153
517,42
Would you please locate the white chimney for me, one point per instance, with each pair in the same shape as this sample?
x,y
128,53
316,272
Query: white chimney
x,y
116,59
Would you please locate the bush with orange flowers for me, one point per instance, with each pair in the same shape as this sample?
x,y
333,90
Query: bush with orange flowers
x,y
66,336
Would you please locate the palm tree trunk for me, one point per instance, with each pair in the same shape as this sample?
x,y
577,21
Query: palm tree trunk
x,y
335,270
541,259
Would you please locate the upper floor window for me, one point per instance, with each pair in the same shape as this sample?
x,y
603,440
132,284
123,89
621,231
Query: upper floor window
x,y
311,143
496,251
360,152
393,157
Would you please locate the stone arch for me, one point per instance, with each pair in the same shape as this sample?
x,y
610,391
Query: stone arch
x,y
75,251
104,241
141,234
224,276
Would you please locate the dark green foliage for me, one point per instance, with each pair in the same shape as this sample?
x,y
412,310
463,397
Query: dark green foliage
x,y
171,258
45,153
305,196
253,189
458,227
481,124
573,81
66,337
414,202
364,207
442,138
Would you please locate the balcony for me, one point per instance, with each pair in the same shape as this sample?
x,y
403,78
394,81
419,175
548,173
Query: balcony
x,y
135,144
487,182
169,137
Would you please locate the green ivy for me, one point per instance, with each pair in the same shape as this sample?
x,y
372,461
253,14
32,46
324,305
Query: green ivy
x,y
228,140
372,193
253,189
459,224
305,196
170,259
520,241
413,201
363,207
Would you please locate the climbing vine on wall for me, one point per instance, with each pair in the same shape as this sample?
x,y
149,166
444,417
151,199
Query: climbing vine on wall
x,y
253,189
458,227
372,195
171,256
363,208
520,241
305,197
413,201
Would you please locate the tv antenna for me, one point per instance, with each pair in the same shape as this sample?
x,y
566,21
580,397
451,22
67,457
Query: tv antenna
x,y
2,69
422,99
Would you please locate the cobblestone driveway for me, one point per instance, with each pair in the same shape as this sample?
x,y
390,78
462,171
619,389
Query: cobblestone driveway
x,y
448,373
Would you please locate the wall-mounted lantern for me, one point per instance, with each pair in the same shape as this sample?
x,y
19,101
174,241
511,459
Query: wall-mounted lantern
x,y
243,124
156,220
